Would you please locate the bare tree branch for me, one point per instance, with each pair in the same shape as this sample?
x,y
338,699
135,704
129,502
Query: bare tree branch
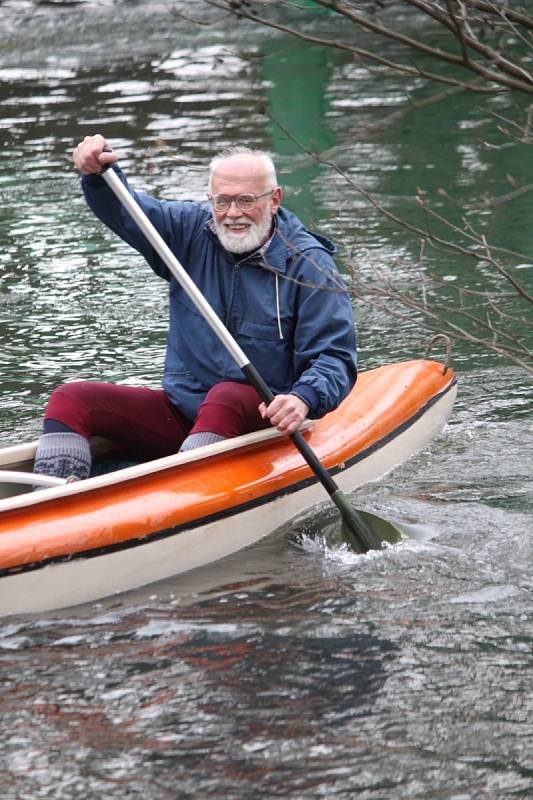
x,y
382,294
481,252
363,55
503,10
507,76
452,23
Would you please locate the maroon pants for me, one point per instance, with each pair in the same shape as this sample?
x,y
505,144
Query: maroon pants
x,y
145,422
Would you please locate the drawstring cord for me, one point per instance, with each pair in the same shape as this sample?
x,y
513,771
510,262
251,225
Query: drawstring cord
x,y
277,306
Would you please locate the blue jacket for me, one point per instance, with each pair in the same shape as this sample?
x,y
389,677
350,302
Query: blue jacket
x,y
288,308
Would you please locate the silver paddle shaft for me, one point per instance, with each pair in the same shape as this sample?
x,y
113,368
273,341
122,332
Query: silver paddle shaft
x,y
170,260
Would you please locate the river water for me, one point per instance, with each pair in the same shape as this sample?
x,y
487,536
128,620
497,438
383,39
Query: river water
x,y
294,669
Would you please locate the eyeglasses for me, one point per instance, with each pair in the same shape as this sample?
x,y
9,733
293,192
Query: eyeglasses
x,y
244,202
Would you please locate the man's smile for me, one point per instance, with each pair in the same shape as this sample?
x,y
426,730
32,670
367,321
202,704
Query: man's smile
x,y
237,226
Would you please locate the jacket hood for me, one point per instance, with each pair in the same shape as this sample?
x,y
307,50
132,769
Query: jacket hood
x,y
302,238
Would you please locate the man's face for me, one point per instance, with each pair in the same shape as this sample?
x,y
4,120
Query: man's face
x,y
242,231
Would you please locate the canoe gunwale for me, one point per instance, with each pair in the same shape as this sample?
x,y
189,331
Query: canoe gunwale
x,y
129,474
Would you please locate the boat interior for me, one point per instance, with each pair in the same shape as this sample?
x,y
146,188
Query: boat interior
x,y
16,462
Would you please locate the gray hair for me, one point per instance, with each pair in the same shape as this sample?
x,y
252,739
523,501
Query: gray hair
x,y
241,150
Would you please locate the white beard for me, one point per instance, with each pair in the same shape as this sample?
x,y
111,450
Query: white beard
x,y
245,243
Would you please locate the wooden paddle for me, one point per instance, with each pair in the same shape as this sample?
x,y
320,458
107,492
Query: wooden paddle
x,y
361,530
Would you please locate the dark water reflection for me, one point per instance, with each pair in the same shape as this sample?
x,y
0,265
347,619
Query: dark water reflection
x,y
342,683
294,669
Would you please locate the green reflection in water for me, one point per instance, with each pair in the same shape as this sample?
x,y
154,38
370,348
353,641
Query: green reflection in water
x,y
459,149
297,78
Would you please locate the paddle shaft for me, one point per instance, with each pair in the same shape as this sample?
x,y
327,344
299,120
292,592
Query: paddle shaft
x,y
194,294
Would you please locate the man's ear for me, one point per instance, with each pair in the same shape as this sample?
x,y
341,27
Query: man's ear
x,y
276,199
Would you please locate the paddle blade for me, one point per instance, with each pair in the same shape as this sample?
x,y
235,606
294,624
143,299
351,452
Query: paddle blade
x,y
363,531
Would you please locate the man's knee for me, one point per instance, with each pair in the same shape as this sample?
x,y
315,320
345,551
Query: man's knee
x,y
229,409
226,393
70,405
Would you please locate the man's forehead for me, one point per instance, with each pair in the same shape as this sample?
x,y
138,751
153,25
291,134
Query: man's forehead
x,y
240,169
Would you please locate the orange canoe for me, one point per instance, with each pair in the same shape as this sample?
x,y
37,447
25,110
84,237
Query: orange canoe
x,y
78,542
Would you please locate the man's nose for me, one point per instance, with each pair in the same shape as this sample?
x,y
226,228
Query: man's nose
x,y
234,210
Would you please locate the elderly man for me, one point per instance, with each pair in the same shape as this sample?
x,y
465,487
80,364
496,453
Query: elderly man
x,y
273,284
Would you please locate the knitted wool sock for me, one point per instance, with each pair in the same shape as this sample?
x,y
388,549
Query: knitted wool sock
x,y
199,440
64,455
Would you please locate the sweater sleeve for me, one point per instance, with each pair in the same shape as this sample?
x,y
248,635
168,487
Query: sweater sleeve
x,y
176,222
325,342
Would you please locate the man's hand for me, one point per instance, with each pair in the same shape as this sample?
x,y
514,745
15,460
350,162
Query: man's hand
x,y
89,156
286,412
